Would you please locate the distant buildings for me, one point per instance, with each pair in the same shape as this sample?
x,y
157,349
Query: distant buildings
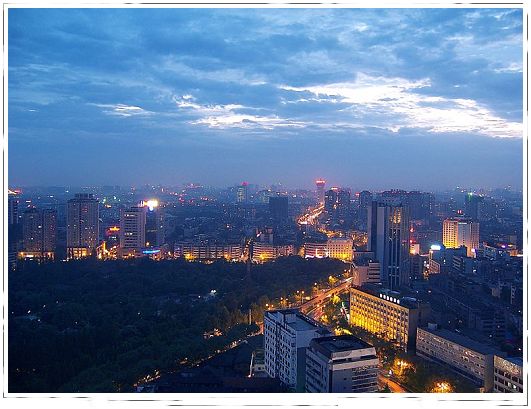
x,y
263,251
365,271
388,314
82,230
459,232
132,232
320,185
154,223
388,238
314,249
508,375
287,335
39,234
196,250
242,193
341,364
469,358
337,205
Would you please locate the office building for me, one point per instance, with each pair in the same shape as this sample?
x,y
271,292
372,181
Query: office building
x,y
508,375
388,238
207,251
265,251
82,230
365,271
472,206
320,185
459,232
388,314
12,208
465,356
341,364
340,248
39,234
287,334
315,250
242,193
278,208
154,223
132,232
14,232
337,205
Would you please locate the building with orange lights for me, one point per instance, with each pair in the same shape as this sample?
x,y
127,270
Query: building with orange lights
x,y
82,230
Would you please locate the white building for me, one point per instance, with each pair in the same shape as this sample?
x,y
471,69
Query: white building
x,y
287,334
462,354
341,364
132,231
340,248
508,375
365,272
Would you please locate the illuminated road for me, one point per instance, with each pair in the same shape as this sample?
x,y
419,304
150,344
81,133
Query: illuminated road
x,y
393,386
316,301
311,216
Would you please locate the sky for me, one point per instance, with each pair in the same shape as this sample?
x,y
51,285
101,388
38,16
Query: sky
x,y
366,98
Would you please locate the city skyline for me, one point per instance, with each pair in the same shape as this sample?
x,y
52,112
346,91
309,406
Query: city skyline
x,y
417,98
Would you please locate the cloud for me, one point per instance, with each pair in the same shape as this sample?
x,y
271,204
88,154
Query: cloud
x,y
231,116
122,110
396,103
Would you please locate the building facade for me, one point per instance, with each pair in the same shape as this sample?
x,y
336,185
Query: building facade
x,y
459,232
340,248
388,238
465,356
82,230
39,234
287,335
341,364
508,375
387,314
132,232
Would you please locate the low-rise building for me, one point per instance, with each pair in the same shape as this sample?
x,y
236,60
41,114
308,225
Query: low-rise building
x,y
465,356
340,248
341,364
266,251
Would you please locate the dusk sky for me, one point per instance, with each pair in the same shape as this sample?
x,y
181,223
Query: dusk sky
x,y
366,98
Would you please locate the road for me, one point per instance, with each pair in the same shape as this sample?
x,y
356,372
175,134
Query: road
x,y
316,301
393,386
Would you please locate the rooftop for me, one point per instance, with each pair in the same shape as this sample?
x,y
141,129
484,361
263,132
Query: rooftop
x,y
341,343
465,341
296,320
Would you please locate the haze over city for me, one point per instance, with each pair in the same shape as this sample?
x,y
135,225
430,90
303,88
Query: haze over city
x,y
369,98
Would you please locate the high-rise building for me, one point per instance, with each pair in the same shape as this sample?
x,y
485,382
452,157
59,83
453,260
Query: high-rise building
x,y
364,204
320,185
39,232
14,232
242,194
287,334
337,205
388,238
154,223
472,206
278,208
459,232
341,364
82,229
132,231
12,208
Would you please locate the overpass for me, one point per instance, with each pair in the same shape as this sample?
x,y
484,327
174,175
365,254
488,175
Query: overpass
x,y
319,299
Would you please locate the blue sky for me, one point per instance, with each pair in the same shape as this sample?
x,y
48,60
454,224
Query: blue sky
x,y
367,98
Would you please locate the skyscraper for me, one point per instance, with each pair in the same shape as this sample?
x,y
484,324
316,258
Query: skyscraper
x,y
278,208
82,230
154,223
39,232
132,231
459,232
242,194
472,204
337,205
320,184
388,231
